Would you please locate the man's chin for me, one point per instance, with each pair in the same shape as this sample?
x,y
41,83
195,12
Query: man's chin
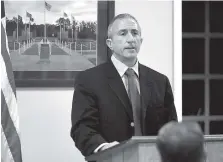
x,y
131,55
127,56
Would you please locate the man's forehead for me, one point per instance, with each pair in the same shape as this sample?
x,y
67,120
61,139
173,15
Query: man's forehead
x,y
122,24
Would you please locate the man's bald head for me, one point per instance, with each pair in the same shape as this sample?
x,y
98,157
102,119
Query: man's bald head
x,y
181,142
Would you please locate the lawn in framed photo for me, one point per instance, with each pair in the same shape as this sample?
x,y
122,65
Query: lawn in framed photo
x,y
51,41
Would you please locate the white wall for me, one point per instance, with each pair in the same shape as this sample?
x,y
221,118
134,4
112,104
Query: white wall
x,y
45,114
45,126
156,21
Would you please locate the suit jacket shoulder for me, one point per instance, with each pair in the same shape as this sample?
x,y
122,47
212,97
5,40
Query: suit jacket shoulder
x,y
90,75
152,75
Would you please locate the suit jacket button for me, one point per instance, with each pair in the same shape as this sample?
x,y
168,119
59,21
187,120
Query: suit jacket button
x,y
132,124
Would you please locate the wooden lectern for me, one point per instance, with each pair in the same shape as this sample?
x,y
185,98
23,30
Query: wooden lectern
x,y
143,149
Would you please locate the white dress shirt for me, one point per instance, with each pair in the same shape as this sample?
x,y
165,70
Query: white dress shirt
x,y
121,68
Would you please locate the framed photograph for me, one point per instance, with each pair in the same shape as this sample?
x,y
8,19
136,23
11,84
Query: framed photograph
x,y
50,42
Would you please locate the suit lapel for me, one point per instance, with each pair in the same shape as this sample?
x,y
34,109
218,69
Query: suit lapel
x,y
116,84
145,91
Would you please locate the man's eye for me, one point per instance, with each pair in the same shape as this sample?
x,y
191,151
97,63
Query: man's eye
x,y
122,33
135,33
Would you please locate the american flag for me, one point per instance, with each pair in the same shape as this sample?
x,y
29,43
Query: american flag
x,y
10,138
48,6
72,18
19,18
28,14
64,14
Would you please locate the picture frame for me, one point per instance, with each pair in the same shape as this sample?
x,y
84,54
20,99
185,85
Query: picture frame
x,y
56,79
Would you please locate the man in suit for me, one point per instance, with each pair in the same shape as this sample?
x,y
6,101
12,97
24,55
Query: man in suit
x,y
121,98
181,142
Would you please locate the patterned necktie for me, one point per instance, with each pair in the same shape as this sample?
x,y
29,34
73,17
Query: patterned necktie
x,y
134,97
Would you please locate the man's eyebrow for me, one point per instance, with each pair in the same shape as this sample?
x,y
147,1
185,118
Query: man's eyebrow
x,y
135,30
121,30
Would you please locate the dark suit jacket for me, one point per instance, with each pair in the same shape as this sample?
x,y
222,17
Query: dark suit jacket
x,y
101,110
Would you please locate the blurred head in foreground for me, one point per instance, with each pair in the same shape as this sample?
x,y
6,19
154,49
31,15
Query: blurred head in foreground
x,y
181,142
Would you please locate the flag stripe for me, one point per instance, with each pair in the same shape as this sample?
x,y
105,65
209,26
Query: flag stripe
x,y
5,150
11,146
6,58
10,131
8,90
9,95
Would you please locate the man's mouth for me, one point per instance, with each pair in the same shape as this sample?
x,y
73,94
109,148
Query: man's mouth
x,y
130,48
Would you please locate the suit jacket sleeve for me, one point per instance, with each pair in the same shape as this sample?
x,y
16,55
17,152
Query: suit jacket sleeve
x,y
169,102
85,118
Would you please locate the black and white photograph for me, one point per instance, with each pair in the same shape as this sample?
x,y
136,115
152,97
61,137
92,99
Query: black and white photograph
x,y
52,36
51,39
111,81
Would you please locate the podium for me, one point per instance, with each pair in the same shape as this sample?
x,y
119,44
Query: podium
x,y
143,149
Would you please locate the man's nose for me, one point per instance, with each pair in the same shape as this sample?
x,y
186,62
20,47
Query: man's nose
x,y
130,38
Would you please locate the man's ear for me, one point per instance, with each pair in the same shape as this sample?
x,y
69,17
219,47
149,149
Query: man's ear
x,y
109,43
141,40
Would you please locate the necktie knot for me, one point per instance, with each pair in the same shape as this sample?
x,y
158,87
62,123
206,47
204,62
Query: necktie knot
x,y
130,72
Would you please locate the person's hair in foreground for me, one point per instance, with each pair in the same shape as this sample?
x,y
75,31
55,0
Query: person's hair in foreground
x,y
181,142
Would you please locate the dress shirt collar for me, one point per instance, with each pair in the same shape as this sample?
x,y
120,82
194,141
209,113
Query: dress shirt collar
x,y
121,67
